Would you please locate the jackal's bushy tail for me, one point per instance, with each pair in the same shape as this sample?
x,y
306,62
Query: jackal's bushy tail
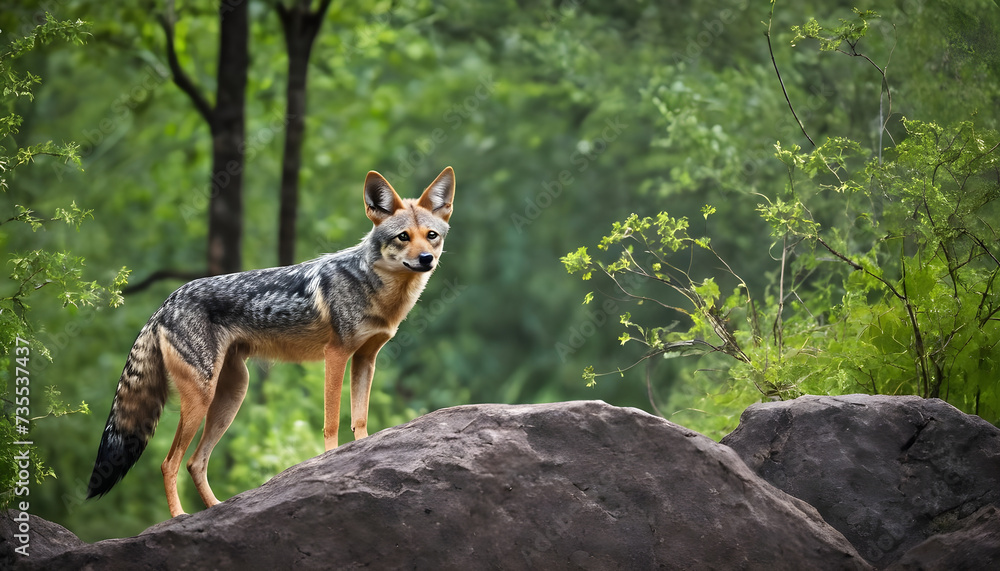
x,y
139,399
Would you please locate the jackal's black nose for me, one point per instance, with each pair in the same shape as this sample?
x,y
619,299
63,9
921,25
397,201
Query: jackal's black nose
x,y
425,259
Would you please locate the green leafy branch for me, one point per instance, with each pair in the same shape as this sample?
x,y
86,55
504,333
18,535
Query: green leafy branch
x,y
849,33
15,84
900,299
657,240
48,31
74,216
60,273
892,289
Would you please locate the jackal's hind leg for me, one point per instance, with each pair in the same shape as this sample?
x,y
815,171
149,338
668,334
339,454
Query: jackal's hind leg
x,y
229,392
195,393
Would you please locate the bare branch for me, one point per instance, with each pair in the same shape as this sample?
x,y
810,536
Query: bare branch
x,y
642,297
649,388
160,275
777,328
857,266
770,50
181,78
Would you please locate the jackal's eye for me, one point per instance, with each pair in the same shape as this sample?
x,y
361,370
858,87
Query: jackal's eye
x,y
403,237
431,235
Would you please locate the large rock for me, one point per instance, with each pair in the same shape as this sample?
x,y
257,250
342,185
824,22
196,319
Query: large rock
x,y
568,485
887,472
975,544
33,535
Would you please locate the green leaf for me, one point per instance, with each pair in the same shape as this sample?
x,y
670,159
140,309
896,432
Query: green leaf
x,y
708,291
578,261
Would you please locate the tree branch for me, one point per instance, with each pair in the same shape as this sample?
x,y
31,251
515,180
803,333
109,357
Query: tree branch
x,y
181,78
767,34
857,266
849,261
883,115
160,275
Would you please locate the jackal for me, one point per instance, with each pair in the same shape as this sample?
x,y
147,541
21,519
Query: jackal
x,y
337,307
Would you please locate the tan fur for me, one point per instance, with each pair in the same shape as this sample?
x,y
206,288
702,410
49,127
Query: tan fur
x,y
293,349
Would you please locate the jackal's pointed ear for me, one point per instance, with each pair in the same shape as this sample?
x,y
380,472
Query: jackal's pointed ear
x,y
380,198
438,196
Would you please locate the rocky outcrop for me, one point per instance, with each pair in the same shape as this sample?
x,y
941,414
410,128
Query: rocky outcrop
x,y
913,484
22,533
973,544
900,477
560,486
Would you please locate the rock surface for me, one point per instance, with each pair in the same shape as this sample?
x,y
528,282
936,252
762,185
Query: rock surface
x,y
975,544
887,472
44,539
560,486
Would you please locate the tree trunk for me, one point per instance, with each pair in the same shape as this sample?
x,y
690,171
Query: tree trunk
x,y
225,216
300,26
226,124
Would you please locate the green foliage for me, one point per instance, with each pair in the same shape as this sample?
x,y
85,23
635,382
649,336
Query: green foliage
x,y
904,301
657,241
917,312
898,296
59,272
850,31
893,292
15,84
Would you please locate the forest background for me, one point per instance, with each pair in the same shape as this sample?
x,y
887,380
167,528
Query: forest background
x,y
560,119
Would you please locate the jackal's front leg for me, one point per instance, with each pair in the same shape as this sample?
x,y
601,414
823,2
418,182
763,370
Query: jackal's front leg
x,y
336,363
362,371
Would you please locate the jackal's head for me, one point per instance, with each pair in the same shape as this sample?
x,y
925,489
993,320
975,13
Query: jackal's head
x,y
409,232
